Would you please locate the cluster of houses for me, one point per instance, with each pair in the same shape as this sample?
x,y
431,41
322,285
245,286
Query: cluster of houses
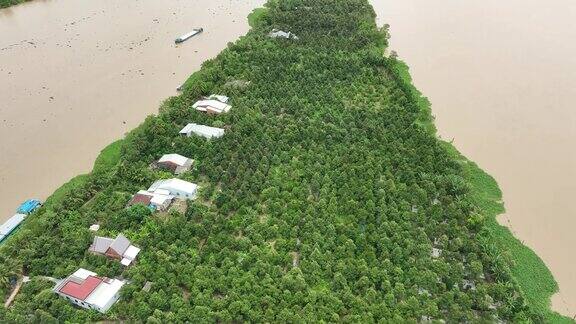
x,y
85,288
119,248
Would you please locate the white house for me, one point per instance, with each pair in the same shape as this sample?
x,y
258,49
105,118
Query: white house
x,y
212,106
119,248
202,130
275,33
85,289
175,163
175,187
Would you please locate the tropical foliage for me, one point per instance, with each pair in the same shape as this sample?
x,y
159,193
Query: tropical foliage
x,y
329,198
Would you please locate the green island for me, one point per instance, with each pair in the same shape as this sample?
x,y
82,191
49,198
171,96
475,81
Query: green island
x,y
329,199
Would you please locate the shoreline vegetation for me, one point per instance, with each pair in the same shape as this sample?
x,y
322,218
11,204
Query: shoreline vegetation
x,y
9,3
330,198
535,279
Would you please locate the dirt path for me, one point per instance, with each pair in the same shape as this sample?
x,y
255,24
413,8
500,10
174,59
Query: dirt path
x,y
13,294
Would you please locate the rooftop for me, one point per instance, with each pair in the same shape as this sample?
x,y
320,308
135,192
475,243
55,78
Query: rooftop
x,y
29,206
86,286
212,106
220,98
140,198
173,185
100,244
202,130
105,292
174,158
80,289
120,244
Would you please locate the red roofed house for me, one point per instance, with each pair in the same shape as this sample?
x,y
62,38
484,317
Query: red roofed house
x,y
85,289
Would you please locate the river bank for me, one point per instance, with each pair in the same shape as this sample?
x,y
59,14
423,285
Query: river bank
x,y
8,3
105,74
516,121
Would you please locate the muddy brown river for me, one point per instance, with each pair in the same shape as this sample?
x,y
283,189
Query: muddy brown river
x,y
76,75
501,76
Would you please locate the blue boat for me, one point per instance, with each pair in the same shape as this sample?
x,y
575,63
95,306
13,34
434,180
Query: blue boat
x,y
29,206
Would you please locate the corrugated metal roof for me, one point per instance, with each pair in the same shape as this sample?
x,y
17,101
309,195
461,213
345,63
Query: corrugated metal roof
x,y
100,244
177,159
275,33
202,130
213,105
220,98
140,199
131,252
120,244
174,185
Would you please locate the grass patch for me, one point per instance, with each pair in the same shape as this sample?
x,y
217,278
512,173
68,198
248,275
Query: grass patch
x,y
425,118
535,280
8,3
257,17
109,156
61,193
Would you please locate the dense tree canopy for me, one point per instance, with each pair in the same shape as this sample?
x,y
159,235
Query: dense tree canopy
x,y
328,199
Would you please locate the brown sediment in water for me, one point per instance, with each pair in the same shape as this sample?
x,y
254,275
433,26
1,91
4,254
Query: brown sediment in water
x,y
77,74
501,76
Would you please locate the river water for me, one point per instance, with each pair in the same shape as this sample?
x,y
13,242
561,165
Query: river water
x,y
501,76
77,74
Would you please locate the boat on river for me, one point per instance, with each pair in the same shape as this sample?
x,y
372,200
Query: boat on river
x,y
185,37
27,208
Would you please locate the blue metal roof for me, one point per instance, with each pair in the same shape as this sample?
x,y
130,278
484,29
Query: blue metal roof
x,y
29,206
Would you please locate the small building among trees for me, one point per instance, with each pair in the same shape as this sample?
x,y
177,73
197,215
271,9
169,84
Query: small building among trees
x,y
202,130
176,187
276,33
212,106
85,289
175,163
157,201
119,248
